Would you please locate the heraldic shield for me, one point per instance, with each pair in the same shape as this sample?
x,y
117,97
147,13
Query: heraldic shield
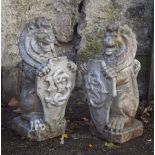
x,y
99,90
54,90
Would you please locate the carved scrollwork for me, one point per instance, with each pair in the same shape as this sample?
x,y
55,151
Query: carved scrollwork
x,y
57,84
96,84
60,83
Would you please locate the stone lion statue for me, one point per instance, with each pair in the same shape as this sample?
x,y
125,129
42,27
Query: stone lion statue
x,y
119,52
110,80
47,83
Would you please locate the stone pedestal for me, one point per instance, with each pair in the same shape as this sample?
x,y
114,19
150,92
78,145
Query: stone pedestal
x,y
22,128
128,133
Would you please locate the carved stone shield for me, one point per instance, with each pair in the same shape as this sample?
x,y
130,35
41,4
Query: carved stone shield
x,y
98,86
99,92
54,89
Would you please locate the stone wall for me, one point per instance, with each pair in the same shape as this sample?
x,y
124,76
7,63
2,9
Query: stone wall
x,y
138,14
63,14
79,26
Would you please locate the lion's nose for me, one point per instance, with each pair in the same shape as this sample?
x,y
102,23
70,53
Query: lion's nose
x,y
109,41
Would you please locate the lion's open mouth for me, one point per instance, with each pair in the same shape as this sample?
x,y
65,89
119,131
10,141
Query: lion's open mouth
x,y
110,50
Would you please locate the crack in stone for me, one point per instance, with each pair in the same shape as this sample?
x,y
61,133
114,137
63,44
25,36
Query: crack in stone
x,y
77,37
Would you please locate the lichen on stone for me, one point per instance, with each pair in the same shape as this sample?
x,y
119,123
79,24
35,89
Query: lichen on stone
x,y
92,44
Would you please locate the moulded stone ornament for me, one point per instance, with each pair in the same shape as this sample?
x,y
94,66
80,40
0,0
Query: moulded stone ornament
x,y
47,83
111,88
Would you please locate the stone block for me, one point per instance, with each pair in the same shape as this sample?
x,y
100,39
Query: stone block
x,y
128,133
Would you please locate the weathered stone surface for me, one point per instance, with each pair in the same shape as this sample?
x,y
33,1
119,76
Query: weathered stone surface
x,y
128,133
43,109
137,14
110,81
77,27
48,81
63,14
23,129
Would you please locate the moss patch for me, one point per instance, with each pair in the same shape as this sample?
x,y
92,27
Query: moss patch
x,y
93,44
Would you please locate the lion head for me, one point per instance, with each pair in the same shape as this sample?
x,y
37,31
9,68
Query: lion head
x,y
36,42
43,39
119,44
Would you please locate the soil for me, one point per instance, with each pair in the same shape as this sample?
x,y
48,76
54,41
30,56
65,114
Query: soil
x,y
79,141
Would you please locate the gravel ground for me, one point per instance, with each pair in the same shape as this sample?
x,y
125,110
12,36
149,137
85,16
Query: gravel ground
x,y
79,142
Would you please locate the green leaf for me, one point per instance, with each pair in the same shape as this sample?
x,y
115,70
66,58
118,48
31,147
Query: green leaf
x,y
111,145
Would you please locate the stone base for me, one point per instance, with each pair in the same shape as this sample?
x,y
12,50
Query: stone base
x,y
131,132
22,128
